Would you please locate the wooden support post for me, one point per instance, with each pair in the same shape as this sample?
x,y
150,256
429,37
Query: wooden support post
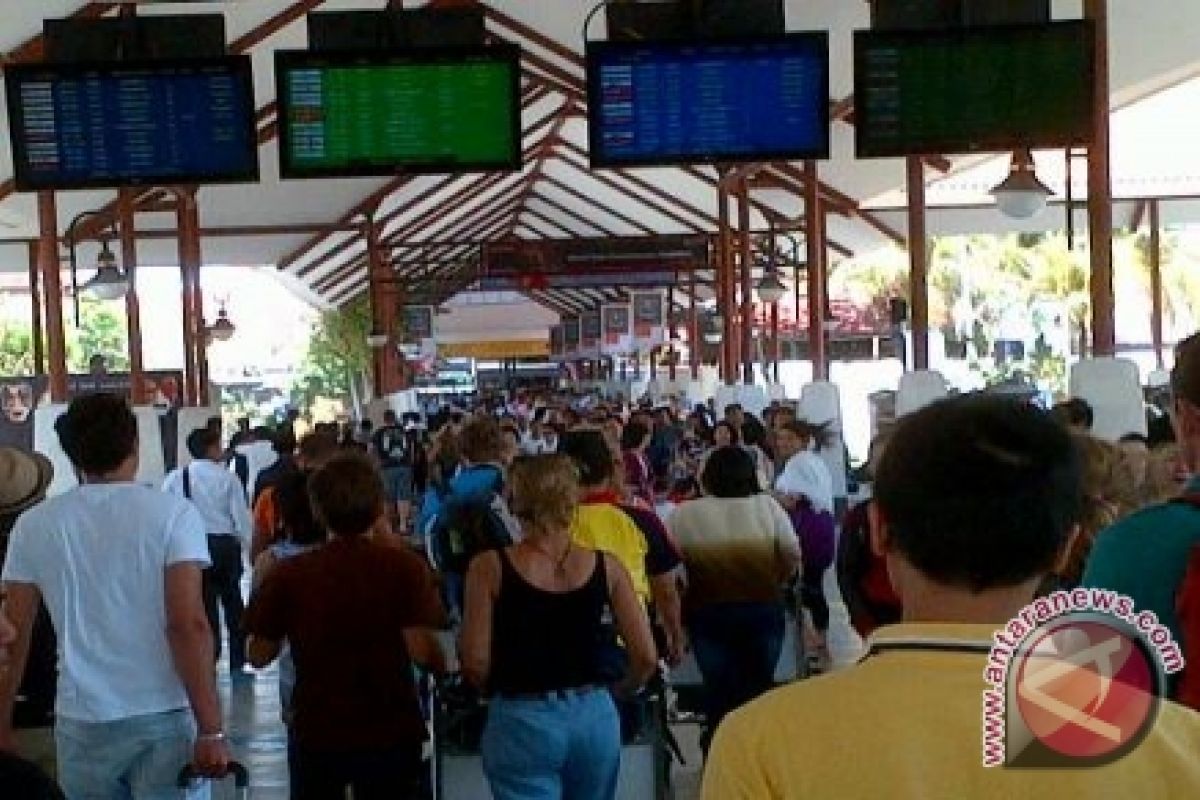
x,y
814,211
189,258
35,308
747,263
918,261
128,234
385,312
1156,283
725,281
1104,331
672,331
695,340
51,269
775,342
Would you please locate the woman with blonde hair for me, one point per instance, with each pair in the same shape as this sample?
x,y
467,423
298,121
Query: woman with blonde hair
x,y
1110,492
535,614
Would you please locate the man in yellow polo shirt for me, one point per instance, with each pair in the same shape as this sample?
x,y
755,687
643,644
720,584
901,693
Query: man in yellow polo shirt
x,y
975,500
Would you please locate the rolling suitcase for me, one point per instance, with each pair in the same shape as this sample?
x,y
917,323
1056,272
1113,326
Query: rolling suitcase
x,y
240,775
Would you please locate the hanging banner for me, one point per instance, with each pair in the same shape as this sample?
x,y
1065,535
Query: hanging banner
x,y
556,343
649,320
618,330
417,337
590,333
570,326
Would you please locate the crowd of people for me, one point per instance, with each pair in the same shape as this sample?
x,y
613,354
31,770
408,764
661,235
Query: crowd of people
x,y
564,553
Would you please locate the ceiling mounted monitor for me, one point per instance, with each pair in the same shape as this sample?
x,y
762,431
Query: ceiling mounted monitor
x,y
937,14
132,124
670,102
694,19
396,29
973,90
135,38
380,113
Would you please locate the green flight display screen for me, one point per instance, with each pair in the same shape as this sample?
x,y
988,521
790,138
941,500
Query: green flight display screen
x,y
974,90
385,113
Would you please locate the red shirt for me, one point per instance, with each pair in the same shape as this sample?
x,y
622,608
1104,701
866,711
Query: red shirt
x,y
343,609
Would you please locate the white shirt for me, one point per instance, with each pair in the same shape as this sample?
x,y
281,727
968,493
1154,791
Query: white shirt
x,y
259,456
98,555
536,447
218,495
806,474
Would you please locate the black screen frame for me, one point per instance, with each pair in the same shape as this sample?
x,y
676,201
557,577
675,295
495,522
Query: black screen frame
x,y
597,49
1000,141
286,60
240,67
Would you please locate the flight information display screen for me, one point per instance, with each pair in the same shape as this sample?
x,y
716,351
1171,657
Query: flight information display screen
x,y
382,113
965,91
665,103
129,124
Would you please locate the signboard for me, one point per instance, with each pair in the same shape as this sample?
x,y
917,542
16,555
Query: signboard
x,y
583,263
418,323
22,394
618,330
571,332
591,331
649,320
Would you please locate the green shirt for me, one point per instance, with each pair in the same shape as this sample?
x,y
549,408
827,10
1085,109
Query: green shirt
x,y
1145,557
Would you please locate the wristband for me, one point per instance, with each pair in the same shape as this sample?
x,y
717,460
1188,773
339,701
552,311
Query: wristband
x,y
219,736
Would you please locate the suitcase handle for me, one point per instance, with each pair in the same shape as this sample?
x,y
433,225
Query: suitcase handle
x,y
241,776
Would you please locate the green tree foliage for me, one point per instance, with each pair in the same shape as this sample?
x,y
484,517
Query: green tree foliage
x,y
102,332
338,356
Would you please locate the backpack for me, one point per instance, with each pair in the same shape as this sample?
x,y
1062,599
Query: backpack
x,y
862,576
1187,599
393,446
470,524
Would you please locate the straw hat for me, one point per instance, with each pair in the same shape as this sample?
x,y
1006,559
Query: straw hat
x,y
24,478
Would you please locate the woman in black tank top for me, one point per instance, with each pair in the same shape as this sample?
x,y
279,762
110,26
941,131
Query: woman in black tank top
x,y
534,620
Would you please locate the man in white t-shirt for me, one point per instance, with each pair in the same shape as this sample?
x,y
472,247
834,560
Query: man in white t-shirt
x,y
119,568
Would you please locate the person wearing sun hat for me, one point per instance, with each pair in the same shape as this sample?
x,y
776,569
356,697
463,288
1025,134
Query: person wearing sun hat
x,y
24,478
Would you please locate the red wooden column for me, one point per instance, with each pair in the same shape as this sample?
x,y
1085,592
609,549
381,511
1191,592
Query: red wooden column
x,y
725,283
818,289
1156,284
918,260
35,308
187,219
385,312
133,314
695,341
746,257
1104,331
51,269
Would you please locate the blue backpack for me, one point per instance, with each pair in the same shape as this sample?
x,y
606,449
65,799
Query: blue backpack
x,y
469,524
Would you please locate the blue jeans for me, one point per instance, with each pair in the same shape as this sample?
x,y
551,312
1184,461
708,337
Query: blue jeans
x,y
565,748
398,481
737,648
138,758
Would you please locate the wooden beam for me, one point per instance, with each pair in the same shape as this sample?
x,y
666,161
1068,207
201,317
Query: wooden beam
x,y
35,310
545,149
560,208
599,206
918,260
818,287
541,219
51,269
1099,196
273,25
650,200
133,311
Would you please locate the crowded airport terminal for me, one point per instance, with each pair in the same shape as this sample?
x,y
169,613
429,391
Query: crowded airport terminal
x,y
600,400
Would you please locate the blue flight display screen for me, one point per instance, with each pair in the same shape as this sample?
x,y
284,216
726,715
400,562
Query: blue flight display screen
x,y
668,103
78,126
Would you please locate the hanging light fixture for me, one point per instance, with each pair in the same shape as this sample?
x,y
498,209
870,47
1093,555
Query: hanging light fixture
x,y
223,329
714,332
1021,195
770,289
110,281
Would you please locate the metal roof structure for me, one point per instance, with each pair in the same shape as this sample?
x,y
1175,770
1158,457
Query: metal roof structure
x,y
434,226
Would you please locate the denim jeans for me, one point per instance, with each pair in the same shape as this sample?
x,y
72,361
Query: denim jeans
x,y
737,647
138,758
565,748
